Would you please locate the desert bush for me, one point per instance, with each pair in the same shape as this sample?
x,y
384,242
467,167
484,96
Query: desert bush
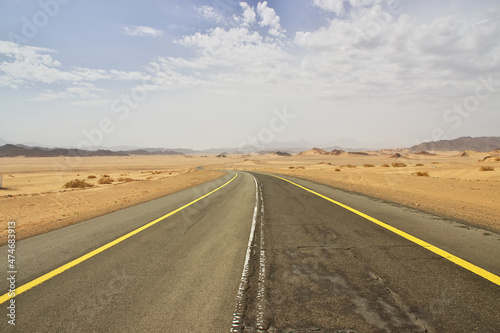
x,y
291,167
106,176
497,159
106,180
91,177
368,165
77,183
348,166
486,168
435,163
300,167
127,179
398,165
385,165
419,164
422,174
337,169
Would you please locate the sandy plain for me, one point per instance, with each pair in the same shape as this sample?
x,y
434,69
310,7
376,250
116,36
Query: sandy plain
x,y
33,194
456,187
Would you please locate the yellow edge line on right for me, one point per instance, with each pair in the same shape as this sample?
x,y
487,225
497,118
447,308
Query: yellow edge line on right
x,y
465,264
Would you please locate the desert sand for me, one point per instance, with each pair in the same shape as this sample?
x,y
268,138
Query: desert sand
x,y
455,188
34,195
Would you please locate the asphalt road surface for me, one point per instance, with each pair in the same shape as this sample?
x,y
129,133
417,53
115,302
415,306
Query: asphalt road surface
x,y
257,254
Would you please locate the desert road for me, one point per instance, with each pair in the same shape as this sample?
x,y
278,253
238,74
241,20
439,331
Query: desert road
x,y
252,252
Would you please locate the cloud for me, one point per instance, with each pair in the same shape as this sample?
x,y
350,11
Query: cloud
x,y
269,19
371,53
336,6
84,91
249,15
210,14
142,31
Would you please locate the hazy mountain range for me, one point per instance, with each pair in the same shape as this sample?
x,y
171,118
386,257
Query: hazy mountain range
x,y
9,149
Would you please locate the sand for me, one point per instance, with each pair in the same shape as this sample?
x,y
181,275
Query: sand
x,y
455,188
34,197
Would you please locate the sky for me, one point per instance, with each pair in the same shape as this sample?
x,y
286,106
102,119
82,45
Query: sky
x,y
205,74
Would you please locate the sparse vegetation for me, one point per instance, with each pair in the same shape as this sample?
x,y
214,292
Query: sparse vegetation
x,y
106,180
435,163
422,174
398,165
486,168
91,177
106,176
385,166
348,166
366,165
497,159
291,167
300,167
77,183
337,169
125,179
419,164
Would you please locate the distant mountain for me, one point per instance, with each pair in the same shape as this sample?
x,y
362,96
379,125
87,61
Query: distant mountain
x,y
482,144
10,150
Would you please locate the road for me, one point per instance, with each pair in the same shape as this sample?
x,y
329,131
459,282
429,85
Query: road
x,y
257,253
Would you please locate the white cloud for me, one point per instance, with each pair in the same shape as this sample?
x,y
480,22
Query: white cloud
x,y
84,91
371,53
270,19
249,15
210,13
142,31
336,6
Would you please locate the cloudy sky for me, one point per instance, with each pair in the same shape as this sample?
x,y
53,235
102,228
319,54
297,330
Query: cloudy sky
x,y
201,74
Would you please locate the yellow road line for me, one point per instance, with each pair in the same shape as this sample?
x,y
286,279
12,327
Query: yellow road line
x,y
465,264
89,255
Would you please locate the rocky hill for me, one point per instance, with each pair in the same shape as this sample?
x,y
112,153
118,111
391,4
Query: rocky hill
x,y
482,144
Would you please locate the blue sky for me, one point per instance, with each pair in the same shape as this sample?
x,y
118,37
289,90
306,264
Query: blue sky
x,y
201,74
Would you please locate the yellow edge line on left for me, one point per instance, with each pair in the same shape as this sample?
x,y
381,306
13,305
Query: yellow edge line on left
x,y
89,255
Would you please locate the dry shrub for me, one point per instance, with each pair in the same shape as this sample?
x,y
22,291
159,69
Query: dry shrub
x,y
337,169
368,165
291,167
106,180
497,159
486,168
300,167
106,176
419,164
398,165
385,166
435,163
91,177
77,183
422,174
127,179
348,166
